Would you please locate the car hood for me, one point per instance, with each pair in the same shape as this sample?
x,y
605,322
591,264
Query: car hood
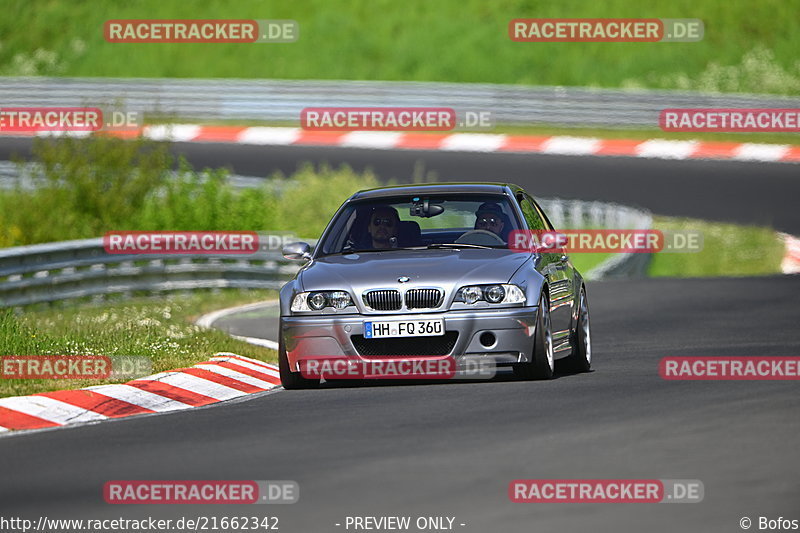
x,y
448,269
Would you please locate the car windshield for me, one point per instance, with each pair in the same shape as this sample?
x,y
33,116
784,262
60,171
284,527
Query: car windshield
x,y
431,221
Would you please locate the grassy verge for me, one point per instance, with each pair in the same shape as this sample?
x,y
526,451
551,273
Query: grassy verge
x,y
585,262
748,46
728,250
161,329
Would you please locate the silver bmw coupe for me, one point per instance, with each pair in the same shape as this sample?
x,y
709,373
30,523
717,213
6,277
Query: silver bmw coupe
x,y
427,272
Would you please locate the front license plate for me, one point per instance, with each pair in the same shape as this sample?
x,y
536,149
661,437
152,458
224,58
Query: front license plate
x,y
405,328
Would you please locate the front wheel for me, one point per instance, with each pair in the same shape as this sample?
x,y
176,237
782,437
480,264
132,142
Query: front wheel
x,y
581,358
543,357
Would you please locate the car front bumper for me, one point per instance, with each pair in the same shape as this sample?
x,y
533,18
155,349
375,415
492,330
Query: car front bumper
x,y
326,336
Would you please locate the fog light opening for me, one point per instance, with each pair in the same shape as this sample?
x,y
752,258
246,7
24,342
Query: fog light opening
x,y
487,339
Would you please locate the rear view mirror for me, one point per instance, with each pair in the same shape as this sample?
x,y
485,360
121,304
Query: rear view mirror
x,y
423,208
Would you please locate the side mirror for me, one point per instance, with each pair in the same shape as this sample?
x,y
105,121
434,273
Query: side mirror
x,y
297,251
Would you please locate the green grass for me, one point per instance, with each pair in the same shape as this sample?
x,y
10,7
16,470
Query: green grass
x,y
748,46
161,329
728,250
585,262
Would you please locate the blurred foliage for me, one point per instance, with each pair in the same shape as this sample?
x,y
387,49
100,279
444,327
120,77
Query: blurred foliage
x,y
87,187
84,187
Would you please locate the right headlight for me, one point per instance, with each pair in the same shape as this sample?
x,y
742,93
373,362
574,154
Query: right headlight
x,y
319,300
494,294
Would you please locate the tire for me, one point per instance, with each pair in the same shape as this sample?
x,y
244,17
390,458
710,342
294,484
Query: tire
x,y
580,360
543,362
291,380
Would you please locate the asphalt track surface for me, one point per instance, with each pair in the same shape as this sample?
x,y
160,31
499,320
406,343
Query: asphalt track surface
x,y
452,449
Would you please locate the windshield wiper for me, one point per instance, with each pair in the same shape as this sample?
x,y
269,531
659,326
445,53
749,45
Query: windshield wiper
x,y
368,250
457,245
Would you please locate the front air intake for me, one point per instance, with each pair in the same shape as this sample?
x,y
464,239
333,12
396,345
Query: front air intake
x,y
423,298
383,300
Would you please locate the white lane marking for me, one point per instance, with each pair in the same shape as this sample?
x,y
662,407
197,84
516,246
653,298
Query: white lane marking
x,y
49,409
266,343
172,132
238,376
571,145
137,396
663,149
473,142
259,135
196,385
760,152
207,320
371,139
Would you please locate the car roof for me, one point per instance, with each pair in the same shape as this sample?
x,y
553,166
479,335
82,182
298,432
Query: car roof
x,y
436,188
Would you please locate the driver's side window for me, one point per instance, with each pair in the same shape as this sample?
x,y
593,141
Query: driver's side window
x,y
532,217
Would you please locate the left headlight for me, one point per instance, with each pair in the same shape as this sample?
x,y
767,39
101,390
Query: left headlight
x,y
319,300
494,294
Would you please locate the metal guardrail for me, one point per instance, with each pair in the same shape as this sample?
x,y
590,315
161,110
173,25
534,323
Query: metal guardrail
x,y
22,175
578,214
77,269
581,214
282,100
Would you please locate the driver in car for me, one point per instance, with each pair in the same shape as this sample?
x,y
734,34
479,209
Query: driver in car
x,y
383,227
490,217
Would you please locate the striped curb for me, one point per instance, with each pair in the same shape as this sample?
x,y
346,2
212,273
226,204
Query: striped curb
x,y
791,256
463,142
224,376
